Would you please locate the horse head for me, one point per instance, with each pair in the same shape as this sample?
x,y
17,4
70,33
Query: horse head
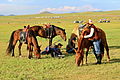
x,y
60,31
79,57
37,52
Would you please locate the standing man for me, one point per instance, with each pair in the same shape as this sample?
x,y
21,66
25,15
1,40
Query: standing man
x,y
95,39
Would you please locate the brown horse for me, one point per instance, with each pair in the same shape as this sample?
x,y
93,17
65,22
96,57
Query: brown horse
x,y
31,42
42,32
85,43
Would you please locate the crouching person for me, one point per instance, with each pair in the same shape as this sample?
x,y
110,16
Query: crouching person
x,y
56,52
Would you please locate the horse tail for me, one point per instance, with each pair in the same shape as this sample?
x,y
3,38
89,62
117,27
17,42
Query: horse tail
x,y
10,45
105,44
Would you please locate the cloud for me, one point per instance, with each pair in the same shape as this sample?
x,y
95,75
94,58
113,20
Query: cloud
x,y
72,9
15,9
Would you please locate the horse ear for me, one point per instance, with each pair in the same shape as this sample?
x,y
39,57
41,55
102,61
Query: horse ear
x,y
28,26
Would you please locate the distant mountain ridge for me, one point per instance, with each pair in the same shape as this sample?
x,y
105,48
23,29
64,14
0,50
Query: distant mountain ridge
x,y
45,12
1,15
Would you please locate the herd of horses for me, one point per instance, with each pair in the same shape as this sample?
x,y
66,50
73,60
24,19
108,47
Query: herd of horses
x,y
32,43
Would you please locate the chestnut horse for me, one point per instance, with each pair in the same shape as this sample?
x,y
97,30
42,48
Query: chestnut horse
x,y
31,42
41,32
85,43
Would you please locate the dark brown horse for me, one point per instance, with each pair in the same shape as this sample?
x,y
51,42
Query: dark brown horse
x,y
85,43
31,42
42,32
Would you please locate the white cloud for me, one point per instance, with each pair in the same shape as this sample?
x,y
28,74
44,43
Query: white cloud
x,y
6,9
72,9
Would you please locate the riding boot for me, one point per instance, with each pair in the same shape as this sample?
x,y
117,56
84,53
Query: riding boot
x,y
99,58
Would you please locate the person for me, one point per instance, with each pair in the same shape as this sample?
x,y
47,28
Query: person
x,y
96,41
23,34
26,28
71,45
54,50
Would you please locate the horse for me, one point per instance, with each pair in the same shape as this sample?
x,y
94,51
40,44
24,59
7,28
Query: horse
x,y
85,43
31,42
44,33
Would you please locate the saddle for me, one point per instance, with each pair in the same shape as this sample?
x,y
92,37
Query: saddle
x,y
23,36
49,32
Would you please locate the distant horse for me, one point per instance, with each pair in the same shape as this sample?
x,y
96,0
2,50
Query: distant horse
x,y
31,42
85,43
44,33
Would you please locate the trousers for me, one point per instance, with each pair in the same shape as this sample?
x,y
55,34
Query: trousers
x,y
97,46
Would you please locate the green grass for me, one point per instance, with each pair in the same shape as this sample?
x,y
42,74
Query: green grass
x,y
47,68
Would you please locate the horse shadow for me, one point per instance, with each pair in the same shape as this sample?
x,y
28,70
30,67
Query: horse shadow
x,y
114,47
117,60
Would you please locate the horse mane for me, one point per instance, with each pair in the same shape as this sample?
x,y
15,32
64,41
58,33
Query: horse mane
x,y
31,34
58,27
37,26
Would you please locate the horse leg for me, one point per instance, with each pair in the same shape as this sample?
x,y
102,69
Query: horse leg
x,y
20,44
14,43
30,52
82,56
13,52
86,55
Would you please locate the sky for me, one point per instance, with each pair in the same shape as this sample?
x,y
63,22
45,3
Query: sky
x,y
24,7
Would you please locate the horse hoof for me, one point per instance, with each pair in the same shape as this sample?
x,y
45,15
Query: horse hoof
x,y
29,57
108,60
39,58
86,63
20,56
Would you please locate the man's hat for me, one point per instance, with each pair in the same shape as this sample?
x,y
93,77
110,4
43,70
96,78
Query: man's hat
x,y
90,21
59,44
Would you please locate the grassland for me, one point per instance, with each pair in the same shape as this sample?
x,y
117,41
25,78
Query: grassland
x,y
47,68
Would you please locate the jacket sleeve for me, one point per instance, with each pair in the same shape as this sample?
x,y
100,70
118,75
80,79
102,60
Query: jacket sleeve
x,y
91,33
